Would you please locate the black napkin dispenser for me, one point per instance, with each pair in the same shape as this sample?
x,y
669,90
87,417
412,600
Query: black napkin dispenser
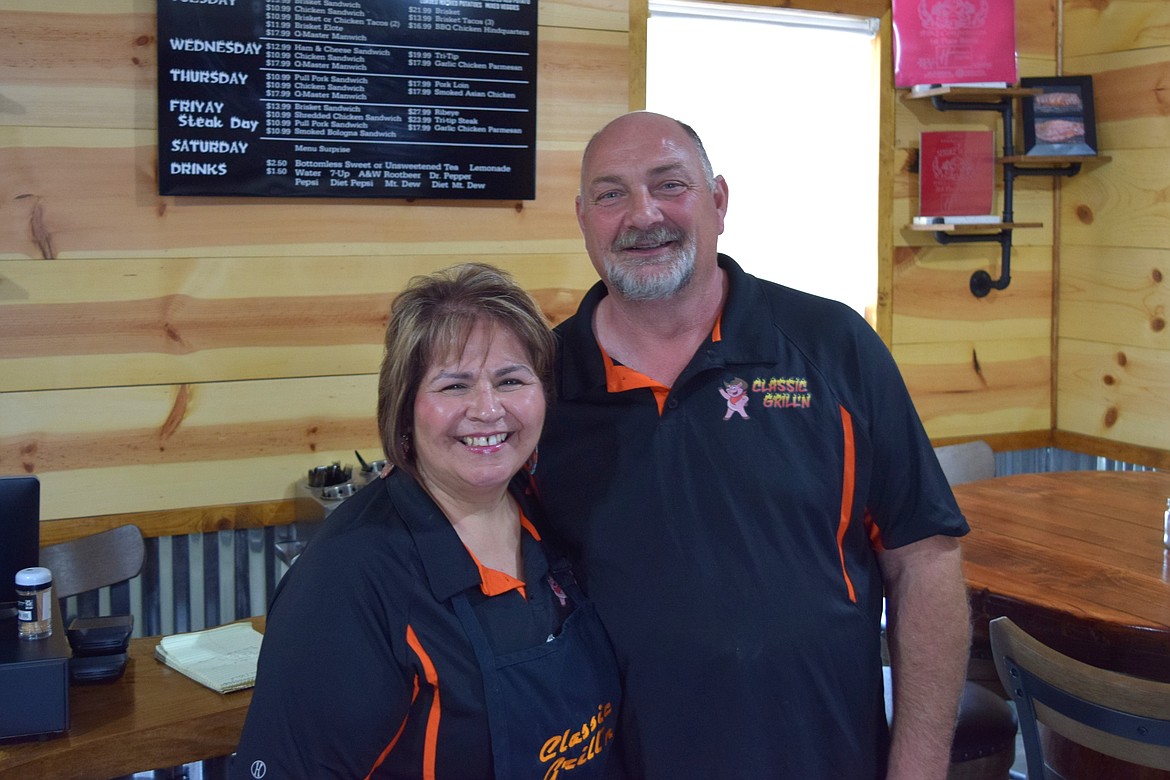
x,y
99,647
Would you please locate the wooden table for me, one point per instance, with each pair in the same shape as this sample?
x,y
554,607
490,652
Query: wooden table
x,y
152,717
1077,560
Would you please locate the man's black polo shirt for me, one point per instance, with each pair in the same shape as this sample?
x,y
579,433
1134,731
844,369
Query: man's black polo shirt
x,y
729,547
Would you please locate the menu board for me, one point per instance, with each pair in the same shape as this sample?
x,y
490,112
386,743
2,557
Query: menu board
x,y
347,98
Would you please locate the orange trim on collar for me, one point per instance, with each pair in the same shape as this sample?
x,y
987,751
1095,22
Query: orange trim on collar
x,y
620,378
529,527
494,582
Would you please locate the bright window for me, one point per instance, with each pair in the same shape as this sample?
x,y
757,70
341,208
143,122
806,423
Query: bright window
x,y
786,103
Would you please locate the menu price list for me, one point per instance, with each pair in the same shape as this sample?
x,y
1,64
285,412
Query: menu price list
x,y
348,98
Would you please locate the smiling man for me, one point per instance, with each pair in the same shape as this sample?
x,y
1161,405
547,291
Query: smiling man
x,y
738,545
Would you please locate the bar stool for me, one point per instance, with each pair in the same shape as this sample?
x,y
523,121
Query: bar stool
x,y
985,736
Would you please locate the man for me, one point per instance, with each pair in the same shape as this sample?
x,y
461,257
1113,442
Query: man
x,y
741,471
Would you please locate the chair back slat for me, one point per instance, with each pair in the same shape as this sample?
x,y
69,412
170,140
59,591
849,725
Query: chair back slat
x,y
1111,713
95,561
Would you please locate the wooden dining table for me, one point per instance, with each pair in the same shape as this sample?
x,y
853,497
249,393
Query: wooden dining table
x,y
1077,560
151,717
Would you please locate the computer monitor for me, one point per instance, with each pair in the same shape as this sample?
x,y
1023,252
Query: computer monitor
x,y
20,533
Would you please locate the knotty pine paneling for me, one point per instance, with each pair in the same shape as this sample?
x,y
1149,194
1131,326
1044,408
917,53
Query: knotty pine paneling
x,y
115,280
584,14
975,366
1119,393
96,448
167,352
1036,35
1129,97
66,201
70,429
180,352
1103,26
1124,202
119,449
979,387
1116,295
935,304
582,83
913,115
99,322
94,190
1113,359
176,521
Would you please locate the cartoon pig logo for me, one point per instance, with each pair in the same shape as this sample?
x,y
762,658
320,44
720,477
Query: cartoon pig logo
x,y
735,392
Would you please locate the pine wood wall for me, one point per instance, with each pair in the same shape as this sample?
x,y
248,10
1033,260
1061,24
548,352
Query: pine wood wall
x,y
162,354
1075,352
1114,296
977,367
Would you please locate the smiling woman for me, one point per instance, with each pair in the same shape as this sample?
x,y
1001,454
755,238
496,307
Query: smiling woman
x,y
466,648
477,419
433,324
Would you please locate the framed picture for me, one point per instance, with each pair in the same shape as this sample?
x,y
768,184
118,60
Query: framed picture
x,y
1059,120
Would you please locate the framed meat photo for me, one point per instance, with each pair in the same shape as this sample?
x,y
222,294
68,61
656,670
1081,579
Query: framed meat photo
x,y
1059,121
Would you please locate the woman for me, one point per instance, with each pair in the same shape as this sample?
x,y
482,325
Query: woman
x,y
426,631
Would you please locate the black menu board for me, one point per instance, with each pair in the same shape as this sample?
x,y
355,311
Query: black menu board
x,y
347,98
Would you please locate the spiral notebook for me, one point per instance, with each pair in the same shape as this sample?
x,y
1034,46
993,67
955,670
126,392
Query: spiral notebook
x,y
224,658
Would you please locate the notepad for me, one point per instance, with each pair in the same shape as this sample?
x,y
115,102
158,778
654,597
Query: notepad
x,y
224,658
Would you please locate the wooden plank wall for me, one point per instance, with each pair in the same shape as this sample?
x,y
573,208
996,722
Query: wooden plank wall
x,y
1114,294
161,352
977,367
159,355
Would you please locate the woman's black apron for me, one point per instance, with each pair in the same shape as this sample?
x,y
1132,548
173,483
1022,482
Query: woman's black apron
x,y
552,709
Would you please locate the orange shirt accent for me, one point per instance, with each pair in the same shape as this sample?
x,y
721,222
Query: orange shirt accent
x,y
431,740
847,480
875,533
619,378
494,582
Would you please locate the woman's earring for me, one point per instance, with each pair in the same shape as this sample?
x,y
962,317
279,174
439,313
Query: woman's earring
x,y
530,464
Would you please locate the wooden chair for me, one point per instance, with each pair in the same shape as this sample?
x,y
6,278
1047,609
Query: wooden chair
x,y
94,561
1121,716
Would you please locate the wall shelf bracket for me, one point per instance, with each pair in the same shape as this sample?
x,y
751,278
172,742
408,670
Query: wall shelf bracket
x,y
1002,101
981,282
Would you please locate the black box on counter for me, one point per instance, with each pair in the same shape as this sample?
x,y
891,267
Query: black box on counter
x,y
34,676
